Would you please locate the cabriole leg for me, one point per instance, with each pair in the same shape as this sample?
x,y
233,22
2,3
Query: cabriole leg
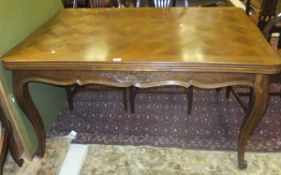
x,y
251,121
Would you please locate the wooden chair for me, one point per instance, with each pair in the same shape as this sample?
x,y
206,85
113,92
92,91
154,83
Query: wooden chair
x,y
162,3
71,90
167,3
75,3
208,3
133,90
103,3
189,91
272,26
187,3
91,3
266,13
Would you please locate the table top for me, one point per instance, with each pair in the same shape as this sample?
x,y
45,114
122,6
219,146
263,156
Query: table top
x,y
147,39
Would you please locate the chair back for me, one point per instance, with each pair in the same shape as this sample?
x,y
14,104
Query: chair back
x,y
99,3
162,3
274,26
267,12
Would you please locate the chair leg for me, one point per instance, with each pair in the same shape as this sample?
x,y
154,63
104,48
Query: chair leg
x,y
251,97
218,90
125,97
137,3
75,3
227,92
189,93
132,96
279,42
237,96
69,96
173,3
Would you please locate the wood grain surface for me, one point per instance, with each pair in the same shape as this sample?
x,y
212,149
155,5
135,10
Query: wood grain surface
x,y
147,39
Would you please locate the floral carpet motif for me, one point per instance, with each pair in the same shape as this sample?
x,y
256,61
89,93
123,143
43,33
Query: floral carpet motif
x,y
56,150
161,119
147,160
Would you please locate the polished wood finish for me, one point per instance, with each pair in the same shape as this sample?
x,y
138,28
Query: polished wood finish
x,y
127,47
99,36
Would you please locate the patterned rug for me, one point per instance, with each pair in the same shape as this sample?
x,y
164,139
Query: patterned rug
x,y
56,150
146,160
161,119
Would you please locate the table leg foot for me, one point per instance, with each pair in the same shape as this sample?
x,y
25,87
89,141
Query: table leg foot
x,y
242,164
40,154
20,162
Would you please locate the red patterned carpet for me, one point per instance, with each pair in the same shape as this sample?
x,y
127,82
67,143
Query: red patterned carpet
x,y
161,119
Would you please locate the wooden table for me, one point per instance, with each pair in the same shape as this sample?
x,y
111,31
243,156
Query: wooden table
x,y
203,47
